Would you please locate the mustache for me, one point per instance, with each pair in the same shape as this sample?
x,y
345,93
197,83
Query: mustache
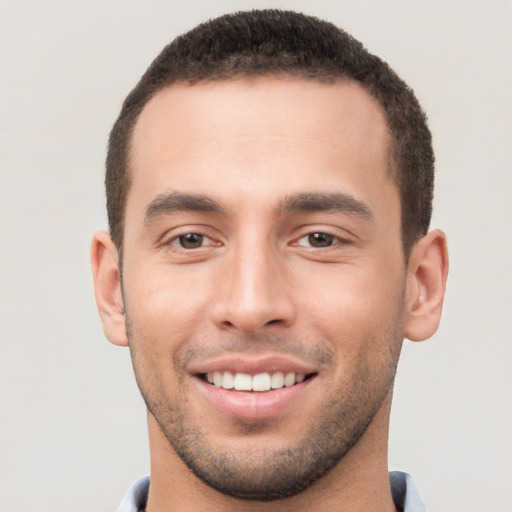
x,y
201,350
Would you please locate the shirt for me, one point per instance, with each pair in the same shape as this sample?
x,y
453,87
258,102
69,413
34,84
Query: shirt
x,y
404,492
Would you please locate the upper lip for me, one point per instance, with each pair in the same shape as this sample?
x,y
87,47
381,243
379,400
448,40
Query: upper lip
x,y
244,363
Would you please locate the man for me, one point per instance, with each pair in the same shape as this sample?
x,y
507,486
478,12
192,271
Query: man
x,y
269,189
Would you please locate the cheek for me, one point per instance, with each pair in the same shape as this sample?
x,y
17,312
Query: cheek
x,y
164,303
356,309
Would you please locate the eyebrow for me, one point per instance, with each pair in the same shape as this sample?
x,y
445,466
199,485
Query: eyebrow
x,y
306,202
320,202
178,201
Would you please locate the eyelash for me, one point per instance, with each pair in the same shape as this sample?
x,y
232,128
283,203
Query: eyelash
x,y
178,240
321,236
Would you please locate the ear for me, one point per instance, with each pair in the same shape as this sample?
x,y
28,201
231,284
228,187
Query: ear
x,y
107,287
426,283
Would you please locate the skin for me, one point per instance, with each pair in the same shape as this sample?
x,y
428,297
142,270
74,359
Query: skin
x,y
258,288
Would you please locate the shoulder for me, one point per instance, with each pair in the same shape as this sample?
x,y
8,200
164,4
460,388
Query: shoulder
x,y
135,498
405,494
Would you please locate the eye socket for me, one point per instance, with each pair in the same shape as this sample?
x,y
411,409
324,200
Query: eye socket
x,y
318,239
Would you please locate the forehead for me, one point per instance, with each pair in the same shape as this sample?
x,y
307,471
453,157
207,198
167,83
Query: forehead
x,y
258,135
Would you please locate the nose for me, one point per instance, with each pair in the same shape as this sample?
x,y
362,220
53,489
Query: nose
x,y
254,293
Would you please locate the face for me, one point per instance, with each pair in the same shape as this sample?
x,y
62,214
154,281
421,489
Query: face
x,y
263,277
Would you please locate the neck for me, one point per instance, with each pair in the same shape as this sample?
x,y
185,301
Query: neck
x,y
359,482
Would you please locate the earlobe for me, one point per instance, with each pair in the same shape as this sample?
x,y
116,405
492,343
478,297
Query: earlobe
x,y
107,288
426,283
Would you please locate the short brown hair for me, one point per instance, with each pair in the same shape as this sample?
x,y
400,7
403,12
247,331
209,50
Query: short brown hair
x,y
275,42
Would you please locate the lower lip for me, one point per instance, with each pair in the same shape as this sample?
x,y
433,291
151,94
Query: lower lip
x,y
252,405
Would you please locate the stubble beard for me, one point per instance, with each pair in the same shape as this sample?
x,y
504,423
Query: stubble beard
x,y
264,474
267,474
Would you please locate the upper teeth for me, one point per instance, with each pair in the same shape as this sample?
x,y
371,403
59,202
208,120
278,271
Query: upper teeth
x,y
258,382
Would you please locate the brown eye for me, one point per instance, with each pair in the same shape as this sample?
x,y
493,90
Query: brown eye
x,y
190,241
320,239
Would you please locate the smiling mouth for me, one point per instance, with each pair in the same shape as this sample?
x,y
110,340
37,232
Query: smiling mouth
x,y
260,382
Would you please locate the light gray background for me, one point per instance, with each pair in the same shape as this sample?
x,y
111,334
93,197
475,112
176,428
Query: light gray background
x,y
72,425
